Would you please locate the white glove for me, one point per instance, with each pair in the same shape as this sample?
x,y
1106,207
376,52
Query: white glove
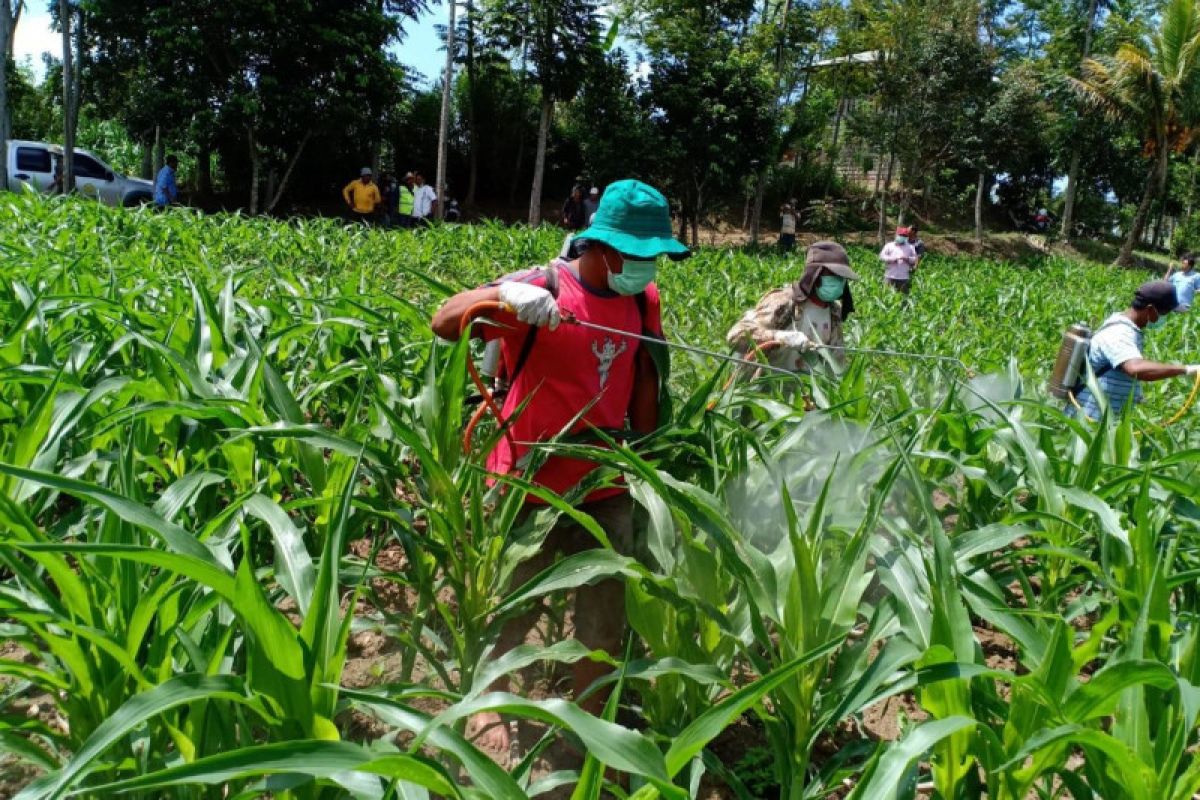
x,y
794,339
1191,369
533,305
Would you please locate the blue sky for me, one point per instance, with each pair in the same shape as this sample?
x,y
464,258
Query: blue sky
x,y
421,48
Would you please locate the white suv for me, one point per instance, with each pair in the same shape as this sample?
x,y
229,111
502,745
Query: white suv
x,y
31,166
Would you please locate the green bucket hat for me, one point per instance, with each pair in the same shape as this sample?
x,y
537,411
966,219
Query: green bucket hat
x,y
635,220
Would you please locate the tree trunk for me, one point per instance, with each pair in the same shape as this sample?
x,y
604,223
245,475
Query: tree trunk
x,y
160,148
255,168
1134,237
539,163
979,187
79,68
833,147
272,184
287,174
14,16
517,165
68,73
1158,226
472,131
444,123
8,26
887,186
1068,219
1191,196
760,188
147,169
204,170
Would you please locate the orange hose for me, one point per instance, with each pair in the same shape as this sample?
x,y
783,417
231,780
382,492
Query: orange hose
x,y
488,401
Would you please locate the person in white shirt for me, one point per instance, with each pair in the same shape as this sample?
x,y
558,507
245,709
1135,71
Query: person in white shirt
x,y
1186,280
424,200
787,228
900,259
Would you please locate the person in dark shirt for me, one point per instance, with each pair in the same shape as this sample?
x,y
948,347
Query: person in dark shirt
x,y
574,216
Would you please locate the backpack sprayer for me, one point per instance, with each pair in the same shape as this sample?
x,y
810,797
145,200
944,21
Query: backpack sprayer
x,y
1068,366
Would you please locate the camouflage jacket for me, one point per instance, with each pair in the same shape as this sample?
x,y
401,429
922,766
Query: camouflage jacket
x,y
782,310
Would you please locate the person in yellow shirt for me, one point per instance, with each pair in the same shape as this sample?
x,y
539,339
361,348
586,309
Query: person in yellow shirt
x,y
362,197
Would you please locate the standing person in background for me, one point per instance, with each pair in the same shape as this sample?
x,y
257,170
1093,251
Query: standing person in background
x,y
424,200
900,260
917,244
166,192
787,227
391,199
56,186
573,216
1041,220
362,197
406,201
591,203
1185,281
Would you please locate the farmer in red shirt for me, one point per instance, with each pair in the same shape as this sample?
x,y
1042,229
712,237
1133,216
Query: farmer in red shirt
x,y
570,368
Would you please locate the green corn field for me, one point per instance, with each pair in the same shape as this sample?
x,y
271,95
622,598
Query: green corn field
x,y
243,554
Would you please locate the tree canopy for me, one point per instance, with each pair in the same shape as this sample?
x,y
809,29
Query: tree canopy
x,y
885,110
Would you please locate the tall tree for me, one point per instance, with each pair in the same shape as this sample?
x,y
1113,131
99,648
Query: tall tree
x,y
711,99
10,15
1154,86
444,120
557,38
472,105
609,123
1076,148
70,95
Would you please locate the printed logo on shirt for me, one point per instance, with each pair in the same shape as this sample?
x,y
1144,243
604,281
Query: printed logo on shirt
x,y
605,356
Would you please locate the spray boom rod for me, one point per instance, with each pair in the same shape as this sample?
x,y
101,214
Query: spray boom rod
x,y
573,320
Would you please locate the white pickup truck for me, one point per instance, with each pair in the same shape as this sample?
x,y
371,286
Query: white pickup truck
x,y
32,165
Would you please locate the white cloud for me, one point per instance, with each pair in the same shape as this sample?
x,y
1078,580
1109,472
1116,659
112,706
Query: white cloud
x,y
34,37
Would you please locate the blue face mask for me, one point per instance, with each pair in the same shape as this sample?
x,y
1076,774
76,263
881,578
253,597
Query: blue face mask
x,y
831,288
1158,323
901,240
634,277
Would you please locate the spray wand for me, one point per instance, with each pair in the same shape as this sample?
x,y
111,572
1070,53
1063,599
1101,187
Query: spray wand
x,y
489,404
571,319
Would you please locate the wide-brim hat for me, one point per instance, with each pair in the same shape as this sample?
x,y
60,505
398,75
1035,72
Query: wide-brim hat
x,y
831,256
635,220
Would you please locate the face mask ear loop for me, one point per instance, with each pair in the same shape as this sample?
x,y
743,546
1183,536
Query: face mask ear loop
x,y
607,266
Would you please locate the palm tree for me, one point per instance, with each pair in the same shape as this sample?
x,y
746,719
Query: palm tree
x,y
1155,86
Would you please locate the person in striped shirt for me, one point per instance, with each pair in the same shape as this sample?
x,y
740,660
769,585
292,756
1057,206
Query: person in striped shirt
x,y
1115,354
